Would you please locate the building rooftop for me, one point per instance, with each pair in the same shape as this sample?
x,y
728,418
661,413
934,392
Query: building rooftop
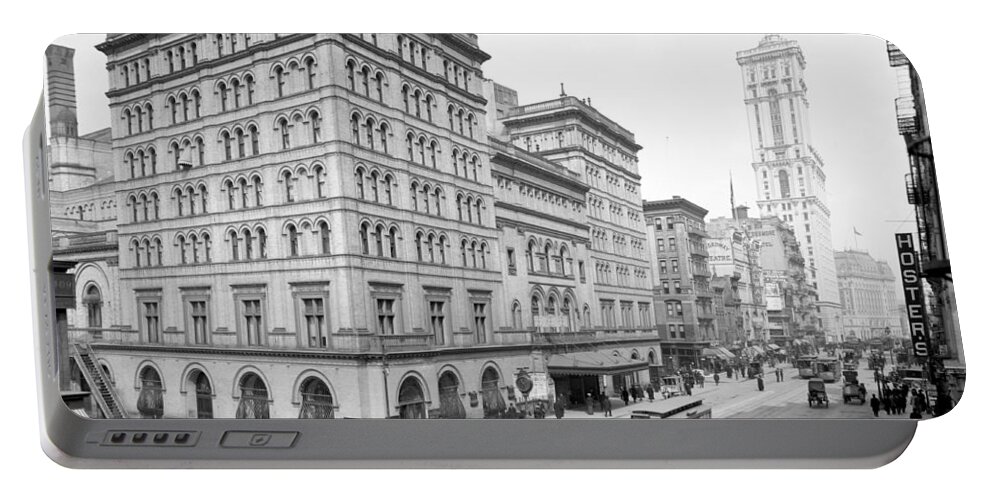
x,y
675,203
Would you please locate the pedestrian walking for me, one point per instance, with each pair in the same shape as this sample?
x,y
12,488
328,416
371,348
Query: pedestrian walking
x,y
603,400
761,382
651,393
624,396
874,404
559,406
589,404
702,380
607,406
717,379
887,403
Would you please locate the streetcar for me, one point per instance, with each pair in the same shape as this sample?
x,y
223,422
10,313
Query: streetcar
x,y
827,369
806,366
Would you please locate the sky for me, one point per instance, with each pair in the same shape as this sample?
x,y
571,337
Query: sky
x,y
681,96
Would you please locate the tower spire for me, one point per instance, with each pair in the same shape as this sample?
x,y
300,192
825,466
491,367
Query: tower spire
x,y
734,210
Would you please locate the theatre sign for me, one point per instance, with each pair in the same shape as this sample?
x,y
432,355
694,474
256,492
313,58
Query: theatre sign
x,y
913,293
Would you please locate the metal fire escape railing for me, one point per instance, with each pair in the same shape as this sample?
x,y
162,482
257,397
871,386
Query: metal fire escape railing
x,y
101,388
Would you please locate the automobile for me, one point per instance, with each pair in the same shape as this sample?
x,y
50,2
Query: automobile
x,y
671,386
850,392
755,369
806,366
816,392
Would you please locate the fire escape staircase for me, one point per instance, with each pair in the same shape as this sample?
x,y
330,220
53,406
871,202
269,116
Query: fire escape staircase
x,y
101,388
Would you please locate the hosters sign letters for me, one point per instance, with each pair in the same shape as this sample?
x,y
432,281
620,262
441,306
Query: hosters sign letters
x,y
913,293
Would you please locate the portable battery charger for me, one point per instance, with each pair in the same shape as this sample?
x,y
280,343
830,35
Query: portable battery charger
x,y
370,250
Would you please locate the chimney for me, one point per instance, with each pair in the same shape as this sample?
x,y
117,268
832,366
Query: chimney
x,y
741,212
61,91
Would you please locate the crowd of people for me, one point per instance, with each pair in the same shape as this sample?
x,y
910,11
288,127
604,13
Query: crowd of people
x,y
895,400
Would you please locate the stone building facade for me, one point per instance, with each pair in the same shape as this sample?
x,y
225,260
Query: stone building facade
x,y
322,225
732,252
870,307
684,299
790,175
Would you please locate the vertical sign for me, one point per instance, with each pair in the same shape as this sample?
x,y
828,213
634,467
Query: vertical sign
x,y
913,294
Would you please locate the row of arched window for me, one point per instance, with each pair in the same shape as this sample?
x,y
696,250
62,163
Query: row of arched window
x,y
432,248
238,141
365,79
548,258
313,395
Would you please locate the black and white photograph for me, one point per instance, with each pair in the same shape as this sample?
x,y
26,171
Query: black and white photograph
x,y
496,226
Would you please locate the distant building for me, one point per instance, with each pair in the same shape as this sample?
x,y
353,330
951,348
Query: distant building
x,y
790,178
790,300
868,296
734,253
684,305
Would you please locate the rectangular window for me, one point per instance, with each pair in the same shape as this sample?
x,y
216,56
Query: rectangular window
x,y
677,287
672,244
662,267
668,222
313,319
479,321
675,266
665,287
385,316
582,272
511,262
251,321
672,331
198,320
436,312
682,331
150,313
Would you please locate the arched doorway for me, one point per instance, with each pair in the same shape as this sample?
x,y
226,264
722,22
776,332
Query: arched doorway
x,y
411,399
201,399
448,391
150,398
254,401
94,306
493,404
315,399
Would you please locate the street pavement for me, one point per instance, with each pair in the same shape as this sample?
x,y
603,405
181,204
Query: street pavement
x,y
740,398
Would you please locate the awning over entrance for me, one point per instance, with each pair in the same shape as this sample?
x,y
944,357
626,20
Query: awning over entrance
x,y
772,347
718,353
593,363
726,352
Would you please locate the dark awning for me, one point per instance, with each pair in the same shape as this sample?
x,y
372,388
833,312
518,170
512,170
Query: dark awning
x,y
593,363
716,352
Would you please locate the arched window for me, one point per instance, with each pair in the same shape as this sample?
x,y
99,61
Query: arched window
x,y
418,237
311,73
394,234
236,90
315,127
294,241
437,201
195,247
182,249
417,103
235,255
411,399
152,157
450,405
280,82
226,138
350,73
355,129
382,138
247,234
206,248
410,147
196,107
261,236
470,118
493,404
479,211
253,135
223,90
374,184
380,236
155,205
186,107
127,117
319,180
325,237
434,154
482,255
379,86
365,81
201,160
148,69
442,243
428,105
148,113
388,189
203,201
284,133
288,181
254,401
315,399
370,126
360,182
150,397
203,394
172,64
364,237
451,118
784,184
465,256
94,307
458,204
241,142
250,87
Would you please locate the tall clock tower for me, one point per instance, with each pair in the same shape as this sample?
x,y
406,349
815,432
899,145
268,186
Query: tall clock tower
x,y
789,173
